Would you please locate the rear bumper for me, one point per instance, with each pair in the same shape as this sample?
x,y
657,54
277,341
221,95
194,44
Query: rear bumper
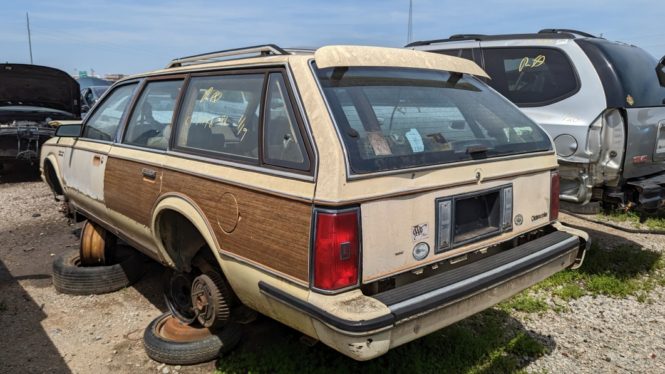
x,y
421,307
650,191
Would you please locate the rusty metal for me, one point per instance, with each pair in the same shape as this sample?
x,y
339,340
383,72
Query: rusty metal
x,y
170,328
210,300
94,245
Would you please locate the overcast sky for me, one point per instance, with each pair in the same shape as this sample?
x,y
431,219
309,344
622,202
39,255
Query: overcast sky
x,y
124,36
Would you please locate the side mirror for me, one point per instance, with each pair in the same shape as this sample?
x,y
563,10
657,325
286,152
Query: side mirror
x,y
85,108
660,71
68,131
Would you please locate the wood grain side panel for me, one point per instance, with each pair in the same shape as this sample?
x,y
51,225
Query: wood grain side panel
x,y
127,192
270,230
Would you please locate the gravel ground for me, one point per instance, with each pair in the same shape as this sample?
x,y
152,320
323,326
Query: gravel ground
x,y
601,334
43,331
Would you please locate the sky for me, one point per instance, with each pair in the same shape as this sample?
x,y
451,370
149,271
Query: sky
x,y
134,36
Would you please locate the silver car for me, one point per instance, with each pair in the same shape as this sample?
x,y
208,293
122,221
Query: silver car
x,y
602,102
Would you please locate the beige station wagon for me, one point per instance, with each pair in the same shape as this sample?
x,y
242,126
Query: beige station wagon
x,y
364,196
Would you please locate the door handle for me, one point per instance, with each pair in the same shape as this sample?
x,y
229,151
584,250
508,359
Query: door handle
x,y
149,174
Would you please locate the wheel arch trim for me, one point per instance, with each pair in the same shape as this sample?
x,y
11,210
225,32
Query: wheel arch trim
x,y
185,206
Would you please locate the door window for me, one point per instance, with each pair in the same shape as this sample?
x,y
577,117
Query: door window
x,y
152,116
104,122
220,115
282,141
466,53
531,76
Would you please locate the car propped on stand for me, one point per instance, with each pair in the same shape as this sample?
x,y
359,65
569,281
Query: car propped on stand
x,y
364,196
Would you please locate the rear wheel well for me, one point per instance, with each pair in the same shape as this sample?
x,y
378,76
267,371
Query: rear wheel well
x,y
181,239
52,178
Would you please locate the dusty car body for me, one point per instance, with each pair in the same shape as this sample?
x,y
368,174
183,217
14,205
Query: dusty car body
x,y
30,97
356,199
601,102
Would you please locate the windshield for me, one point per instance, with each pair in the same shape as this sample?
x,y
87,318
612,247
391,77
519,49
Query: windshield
x,y
397,118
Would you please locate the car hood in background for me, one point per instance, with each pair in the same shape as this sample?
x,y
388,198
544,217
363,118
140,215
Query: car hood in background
x,y
38,86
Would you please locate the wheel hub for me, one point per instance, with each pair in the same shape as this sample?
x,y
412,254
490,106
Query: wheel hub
x,y
205,298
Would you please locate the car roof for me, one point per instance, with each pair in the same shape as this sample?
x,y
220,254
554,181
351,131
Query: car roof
x,y
542,34
328,56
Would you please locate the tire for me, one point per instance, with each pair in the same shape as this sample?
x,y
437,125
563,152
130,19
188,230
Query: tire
x,y
190,352
70,277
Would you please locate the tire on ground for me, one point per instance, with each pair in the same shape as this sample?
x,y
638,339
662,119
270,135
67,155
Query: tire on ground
x,y
191,352
70,277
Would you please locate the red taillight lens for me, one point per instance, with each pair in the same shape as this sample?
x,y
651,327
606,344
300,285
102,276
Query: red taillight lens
x,y
555,188
336,250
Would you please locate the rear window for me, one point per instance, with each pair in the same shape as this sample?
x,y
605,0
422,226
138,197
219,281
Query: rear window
x,y
396,118
636,71
531,76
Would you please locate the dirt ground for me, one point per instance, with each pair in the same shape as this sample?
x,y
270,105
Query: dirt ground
x,y
42,331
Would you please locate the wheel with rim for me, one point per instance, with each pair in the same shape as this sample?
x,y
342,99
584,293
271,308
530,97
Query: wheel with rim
x,y
178,295
170,341
96,245
71,277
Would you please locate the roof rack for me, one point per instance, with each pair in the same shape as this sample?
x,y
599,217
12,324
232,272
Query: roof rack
x,y
228,54
568,31
542,34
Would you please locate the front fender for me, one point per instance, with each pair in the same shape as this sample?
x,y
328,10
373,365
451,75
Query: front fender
x,y
52,158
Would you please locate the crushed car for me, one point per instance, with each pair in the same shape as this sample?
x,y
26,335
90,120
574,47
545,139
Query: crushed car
x,y
31,96
603,103
364,196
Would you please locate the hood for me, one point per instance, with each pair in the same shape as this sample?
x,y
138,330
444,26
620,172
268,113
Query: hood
x,y
38,86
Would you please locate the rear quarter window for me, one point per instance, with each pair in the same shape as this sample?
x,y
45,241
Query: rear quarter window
x,y
628,73
531,76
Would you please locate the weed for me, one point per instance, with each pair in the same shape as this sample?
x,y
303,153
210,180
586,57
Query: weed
x,y
524,302
653,221
617,272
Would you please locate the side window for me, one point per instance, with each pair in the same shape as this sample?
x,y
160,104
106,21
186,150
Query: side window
x,y
150,123
531,76
104,122
466,53
282,141
221,115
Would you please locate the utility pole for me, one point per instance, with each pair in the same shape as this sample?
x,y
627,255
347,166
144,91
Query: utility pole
x,y
409,33
27,19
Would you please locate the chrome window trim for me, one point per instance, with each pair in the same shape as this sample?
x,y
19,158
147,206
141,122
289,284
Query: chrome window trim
x,y
229,163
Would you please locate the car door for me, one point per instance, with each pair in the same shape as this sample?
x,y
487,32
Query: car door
x,y
133,174
85,161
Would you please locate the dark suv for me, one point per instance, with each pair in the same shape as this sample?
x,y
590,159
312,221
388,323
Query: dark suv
x,y
602,102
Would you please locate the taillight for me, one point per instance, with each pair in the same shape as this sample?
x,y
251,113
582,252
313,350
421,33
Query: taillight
x,y
555,188
336,249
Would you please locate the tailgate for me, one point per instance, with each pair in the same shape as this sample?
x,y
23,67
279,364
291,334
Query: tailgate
x,y
393,227
645,143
